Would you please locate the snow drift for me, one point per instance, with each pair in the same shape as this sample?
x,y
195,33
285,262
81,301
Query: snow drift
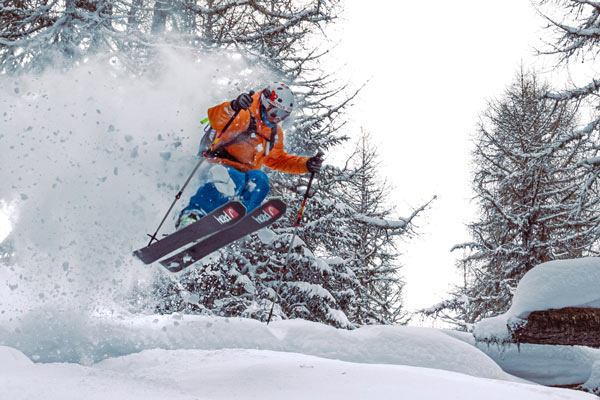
x,y
249,374
56,337
193,357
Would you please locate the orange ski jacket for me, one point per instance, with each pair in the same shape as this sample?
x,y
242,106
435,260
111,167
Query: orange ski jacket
x,y
246,144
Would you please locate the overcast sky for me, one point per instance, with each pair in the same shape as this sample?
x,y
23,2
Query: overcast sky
x,y
432,66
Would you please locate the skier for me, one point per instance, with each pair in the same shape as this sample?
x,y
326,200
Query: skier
x,y
245,134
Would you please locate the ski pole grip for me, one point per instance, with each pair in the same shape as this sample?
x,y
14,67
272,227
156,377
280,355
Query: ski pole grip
x,y
312,176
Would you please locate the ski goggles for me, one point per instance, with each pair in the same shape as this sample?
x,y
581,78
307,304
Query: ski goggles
x,y
276,113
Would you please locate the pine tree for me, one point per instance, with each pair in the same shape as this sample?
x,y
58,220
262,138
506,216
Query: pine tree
x,y
370,251
352,235
528,174
35,34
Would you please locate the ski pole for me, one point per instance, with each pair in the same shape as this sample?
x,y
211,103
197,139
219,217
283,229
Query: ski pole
x,y
178,195
287,258
218,136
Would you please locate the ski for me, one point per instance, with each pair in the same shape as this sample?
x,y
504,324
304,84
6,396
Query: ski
x,y
261,217
216,221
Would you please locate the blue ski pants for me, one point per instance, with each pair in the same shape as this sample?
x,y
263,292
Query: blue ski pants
x,y
222,183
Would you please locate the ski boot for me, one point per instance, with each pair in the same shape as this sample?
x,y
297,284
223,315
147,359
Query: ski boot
x,y
188,217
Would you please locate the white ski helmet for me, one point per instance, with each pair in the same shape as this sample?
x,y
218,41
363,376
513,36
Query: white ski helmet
x,y
278,100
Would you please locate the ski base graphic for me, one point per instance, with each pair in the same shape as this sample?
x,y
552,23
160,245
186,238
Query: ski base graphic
x,y
219,219
259,218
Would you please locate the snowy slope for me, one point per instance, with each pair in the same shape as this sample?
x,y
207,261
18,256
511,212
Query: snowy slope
x,y
248,374
218,358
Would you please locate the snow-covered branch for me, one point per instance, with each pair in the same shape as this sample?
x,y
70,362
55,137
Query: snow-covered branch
x,y
383,223
592,87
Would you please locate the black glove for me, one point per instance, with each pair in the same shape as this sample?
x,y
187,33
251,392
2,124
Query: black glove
x,y
243,102
315,163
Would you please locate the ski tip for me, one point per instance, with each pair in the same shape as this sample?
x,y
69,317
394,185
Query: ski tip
x,y
172,266
139,255
142,256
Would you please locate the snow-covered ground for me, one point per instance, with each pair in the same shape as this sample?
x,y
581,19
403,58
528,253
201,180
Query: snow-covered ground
x,y
194,357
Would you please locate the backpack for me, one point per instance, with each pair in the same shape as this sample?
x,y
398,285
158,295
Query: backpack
x,y
210,134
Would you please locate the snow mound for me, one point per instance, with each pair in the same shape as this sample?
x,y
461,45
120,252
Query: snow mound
x,y
254,374
414,346
12,357
62,381
545,364
55,337
558,284
552,285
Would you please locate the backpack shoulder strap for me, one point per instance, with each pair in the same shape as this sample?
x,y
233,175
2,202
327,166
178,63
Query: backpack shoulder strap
x,y
220,151
272,140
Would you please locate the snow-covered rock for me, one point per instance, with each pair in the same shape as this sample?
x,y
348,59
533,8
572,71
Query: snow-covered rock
x,y
558,284
552,285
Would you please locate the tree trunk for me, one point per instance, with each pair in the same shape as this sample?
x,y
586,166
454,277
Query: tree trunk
x,y
566,326
159,18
